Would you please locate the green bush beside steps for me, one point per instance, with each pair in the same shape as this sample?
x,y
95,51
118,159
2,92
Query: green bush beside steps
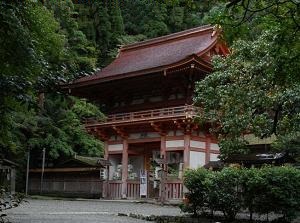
x,y
261,191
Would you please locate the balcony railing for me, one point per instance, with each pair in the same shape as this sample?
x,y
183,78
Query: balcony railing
x,y
187,111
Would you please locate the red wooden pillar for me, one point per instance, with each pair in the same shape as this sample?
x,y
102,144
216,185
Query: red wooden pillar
x,y
163,147
124,168
186,152
106,183
163,153
207,149
105,150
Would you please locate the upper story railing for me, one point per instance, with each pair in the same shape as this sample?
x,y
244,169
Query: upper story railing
x,y
187,111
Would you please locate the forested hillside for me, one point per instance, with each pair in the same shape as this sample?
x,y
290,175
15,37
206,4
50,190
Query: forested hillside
x,y
46,43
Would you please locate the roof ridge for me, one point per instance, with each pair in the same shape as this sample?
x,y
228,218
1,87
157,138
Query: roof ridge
x,y
167,37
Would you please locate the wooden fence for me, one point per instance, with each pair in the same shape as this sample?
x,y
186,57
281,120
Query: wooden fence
x,y
174,190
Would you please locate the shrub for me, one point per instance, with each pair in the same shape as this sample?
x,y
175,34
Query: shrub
x,y
196,182
265,190
254,186
224,192
283,191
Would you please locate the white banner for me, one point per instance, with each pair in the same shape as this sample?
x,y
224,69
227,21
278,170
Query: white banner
x,y
143,183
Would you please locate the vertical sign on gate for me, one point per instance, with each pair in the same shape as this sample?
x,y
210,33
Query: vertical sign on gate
x,y
143,183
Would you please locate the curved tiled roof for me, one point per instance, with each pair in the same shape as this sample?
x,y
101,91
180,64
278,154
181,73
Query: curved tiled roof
x,y
156,53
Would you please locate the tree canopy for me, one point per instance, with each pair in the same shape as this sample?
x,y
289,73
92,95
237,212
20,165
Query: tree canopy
x,y
255,89
41,47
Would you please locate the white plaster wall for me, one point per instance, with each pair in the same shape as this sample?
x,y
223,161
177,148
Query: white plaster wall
x,y
153,134
171,133
114,138
197,144
175,143
195,133
197,159
179,133
115,147
214,157
135,136
214,146
147,135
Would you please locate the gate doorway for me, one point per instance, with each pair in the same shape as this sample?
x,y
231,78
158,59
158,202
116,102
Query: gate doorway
x,y
141,157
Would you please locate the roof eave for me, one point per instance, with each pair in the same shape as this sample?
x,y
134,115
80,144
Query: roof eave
x,y
206,67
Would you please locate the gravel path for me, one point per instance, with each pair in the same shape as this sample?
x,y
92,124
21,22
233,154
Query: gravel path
x,y
46,211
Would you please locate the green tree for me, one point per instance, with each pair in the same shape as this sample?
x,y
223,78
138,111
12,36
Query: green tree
x,y
257,87
40,48
27,63
80,56
58,128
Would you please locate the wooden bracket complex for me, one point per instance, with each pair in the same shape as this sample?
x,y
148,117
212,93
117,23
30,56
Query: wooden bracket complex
x,y
121,132
187,125
158,128
178,124
98,133
102,135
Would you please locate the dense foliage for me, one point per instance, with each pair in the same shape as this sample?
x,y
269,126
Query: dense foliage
x,y
112,23
42,47
45,43
256,88
58,128
261,191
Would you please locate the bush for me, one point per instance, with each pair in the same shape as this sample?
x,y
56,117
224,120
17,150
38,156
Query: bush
x,y
224,192
283,191
255,187
197,182
265,190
